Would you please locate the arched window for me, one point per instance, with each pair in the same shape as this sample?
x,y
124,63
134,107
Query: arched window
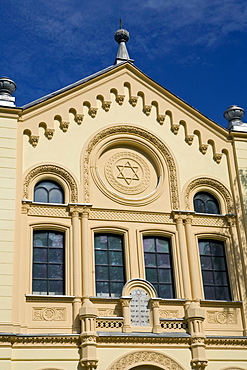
x,y
48,191
206,203
109,265
158,265
48,262
214,270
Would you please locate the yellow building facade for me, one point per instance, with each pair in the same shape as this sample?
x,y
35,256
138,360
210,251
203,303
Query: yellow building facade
x,y
123,229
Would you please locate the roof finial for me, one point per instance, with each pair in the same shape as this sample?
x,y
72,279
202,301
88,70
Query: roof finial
x,y
121,37
121,23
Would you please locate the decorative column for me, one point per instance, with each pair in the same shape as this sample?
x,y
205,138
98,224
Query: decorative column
x,y
125,301
155,305
88,336
195,316
178,217
74,211
236,253
86,278
192,256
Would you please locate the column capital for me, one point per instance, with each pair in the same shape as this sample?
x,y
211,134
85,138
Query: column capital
x,y
180,216
76,209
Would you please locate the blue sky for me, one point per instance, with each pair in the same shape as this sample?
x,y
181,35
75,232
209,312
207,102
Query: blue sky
x,y
197,49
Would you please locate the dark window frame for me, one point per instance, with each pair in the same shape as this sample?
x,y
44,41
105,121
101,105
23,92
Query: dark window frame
x,y
159,283
214,270
109,266
48,186
44,256
203,200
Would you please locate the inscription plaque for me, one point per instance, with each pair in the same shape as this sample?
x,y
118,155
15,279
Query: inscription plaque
x,y
139,310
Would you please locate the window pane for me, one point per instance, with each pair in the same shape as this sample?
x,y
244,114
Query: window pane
x,y
220,278
101,257
199,206
56,255
151,275
208,277
55,240
39,286
41,195
204,247
116,258
164,275
149,244
222,293
55,196
100,242
102,289
115,242
162,245
40,270
165,291
150,260
102,273
217,249
56,287
116,289
55,271
212,207
116,274
40,239
219,263
163,260
206,262
40,255
209,292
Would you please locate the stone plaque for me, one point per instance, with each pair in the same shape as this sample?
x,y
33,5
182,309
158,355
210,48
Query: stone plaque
x,y
139,311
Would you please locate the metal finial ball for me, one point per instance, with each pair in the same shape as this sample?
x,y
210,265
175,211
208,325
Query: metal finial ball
x,y
7,86
121,35
234,113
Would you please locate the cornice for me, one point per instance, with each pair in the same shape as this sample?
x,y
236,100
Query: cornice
x,y
133,339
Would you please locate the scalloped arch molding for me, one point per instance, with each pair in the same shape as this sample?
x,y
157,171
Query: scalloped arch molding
x,y
161,113
55,170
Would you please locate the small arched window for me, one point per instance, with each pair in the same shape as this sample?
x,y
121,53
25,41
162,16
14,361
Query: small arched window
x,y
48,192
206,203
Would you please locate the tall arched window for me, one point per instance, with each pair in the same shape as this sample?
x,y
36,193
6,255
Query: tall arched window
x,y
158,265
48,191
214,270
206,203
109,265
48,262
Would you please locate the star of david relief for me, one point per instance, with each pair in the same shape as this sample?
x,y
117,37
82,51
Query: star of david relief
x,y
128,172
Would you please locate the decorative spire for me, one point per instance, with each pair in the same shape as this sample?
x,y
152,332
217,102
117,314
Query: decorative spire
x,y
7,88
121,37
234,115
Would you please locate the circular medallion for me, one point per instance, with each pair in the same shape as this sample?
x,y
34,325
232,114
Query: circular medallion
x,y
49,314
128,173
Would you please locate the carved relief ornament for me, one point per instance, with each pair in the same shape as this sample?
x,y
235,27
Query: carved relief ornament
x,y
51,169
145,358
210,183
149,137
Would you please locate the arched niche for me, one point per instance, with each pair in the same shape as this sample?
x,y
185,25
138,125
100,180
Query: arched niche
x,y
55,173
209,185
145,360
